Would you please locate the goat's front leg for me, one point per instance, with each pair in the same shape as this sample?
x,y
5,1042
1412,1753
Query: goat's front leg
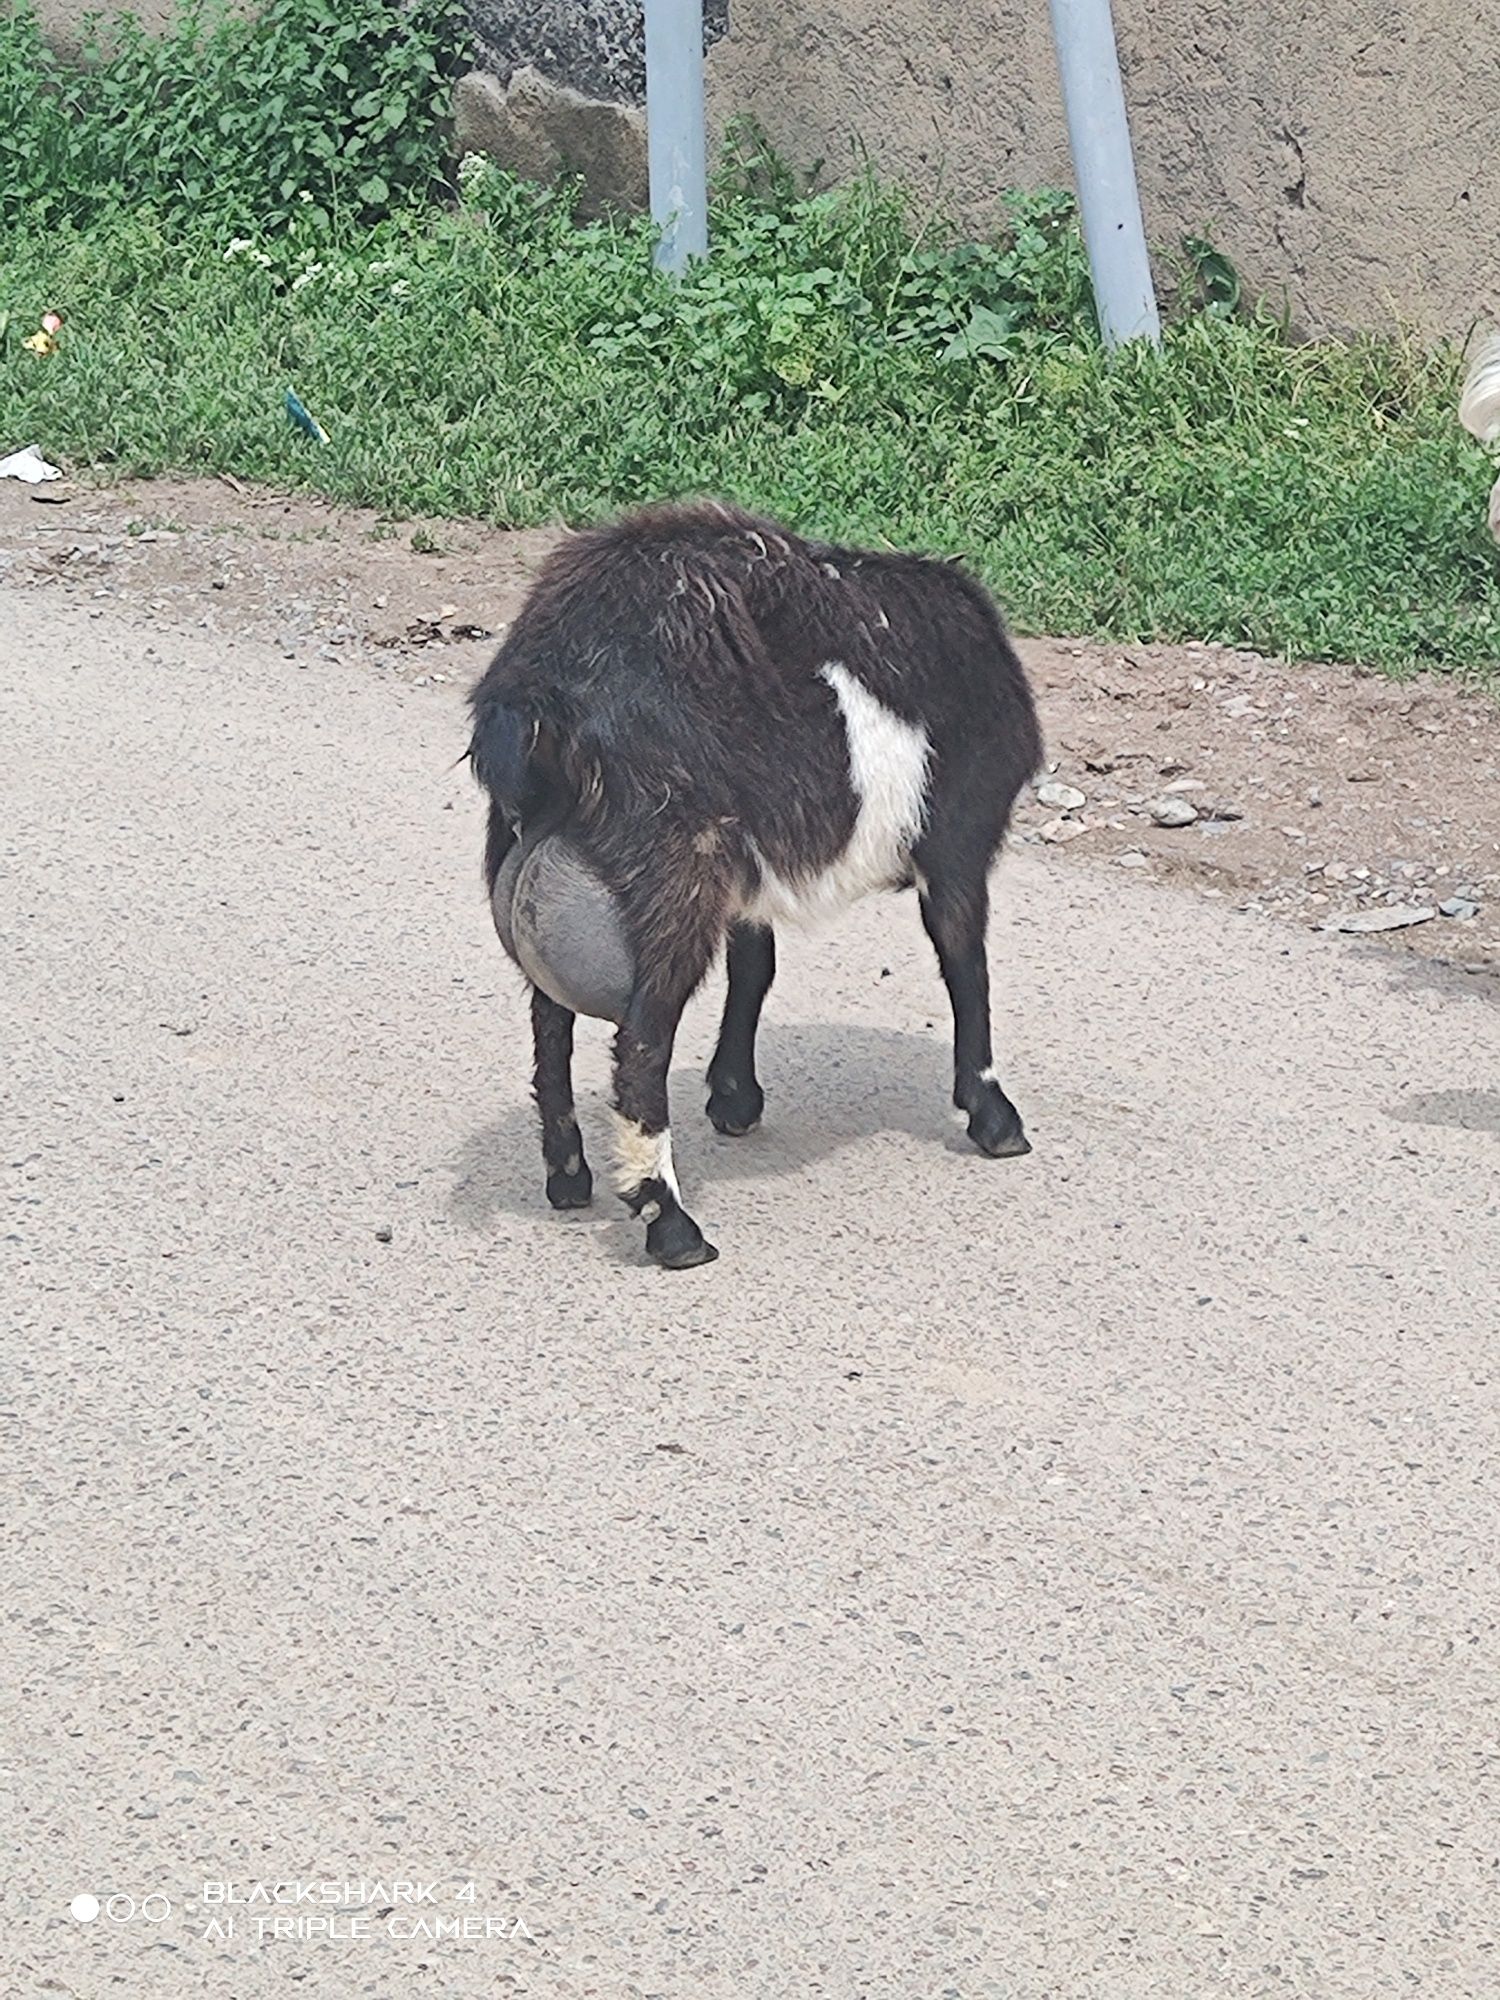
x,y
643,1135
569,1182
956,914
735,1098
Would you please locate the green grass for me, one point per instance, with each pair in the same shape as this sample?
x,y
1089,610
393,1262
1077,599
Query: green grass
x,y
220,115
835,363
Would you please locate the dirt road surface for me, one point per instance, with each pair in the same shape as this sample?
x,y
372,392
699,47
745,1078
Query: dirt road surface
x,y
1315,795
1068,1577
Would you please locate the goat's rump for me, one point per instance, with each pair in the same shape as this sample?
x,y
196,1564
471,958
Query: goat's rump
x,y
746,692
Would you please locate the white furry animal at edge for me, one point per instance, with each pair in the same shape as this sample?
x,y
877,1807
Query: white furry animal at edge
x,y
1479,409
888,765
1479,406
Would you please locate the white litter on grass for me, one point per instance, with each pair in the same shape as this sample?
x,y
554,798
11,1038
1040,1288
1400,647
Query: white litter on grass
x,y
28,464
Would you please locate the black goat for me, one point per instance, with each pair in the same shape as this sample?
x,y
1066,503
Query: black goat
x,y
722,726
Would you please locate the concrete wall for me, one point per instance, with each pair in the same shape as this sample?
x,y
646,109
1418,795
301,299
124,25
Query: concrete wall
x,y
1344,153
65,22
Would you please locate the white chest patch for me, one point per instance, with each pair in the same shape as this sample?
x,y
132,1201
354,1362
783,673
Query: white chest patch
x,y
888,761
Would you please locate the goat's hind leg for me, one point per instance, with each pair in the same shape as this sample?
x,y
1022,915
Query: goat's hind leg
x,y
569,1182
647,1181
735,1098
955,910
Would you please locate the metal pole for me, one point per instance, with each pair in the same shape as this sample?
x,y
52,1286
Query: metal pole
x,y
1084,34
676,142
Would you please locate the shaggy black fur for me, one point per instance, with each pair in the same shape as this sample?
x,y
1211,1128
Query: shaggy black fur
x,y
661,696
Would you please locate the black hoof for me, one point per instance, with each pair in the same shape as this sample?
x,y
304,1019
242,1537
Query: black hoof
x,y
735,1109
996,1130
565,1190
676,1242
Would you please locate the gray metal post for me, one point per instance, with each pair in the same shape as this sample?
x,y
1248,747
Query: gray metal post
x,y
676,141
1084,34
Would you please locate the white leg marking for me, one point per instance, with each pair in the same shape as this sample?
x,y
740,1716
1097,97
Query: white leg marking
x,y
642,1156
888,764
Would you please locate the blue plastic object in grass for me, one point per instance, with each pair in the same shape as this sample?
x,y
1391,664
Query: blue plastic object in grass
x,y
304,422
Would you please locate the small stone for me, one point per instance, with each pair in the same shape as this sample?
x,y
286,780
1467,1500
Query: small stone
x,y
383,1233
1458,906
1132,858
1058,797
1399,917
1170,810
1057,832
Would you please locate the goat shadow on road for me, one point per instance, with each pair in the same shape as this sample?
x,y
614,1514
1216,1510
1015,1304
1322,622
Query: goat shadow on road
x,y
828,1085
1463,1110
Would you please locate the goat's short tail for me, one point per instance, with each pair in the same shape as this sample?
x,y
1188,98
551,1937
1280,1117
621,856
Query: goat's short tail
x,y
499,751
500,757
1479,406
